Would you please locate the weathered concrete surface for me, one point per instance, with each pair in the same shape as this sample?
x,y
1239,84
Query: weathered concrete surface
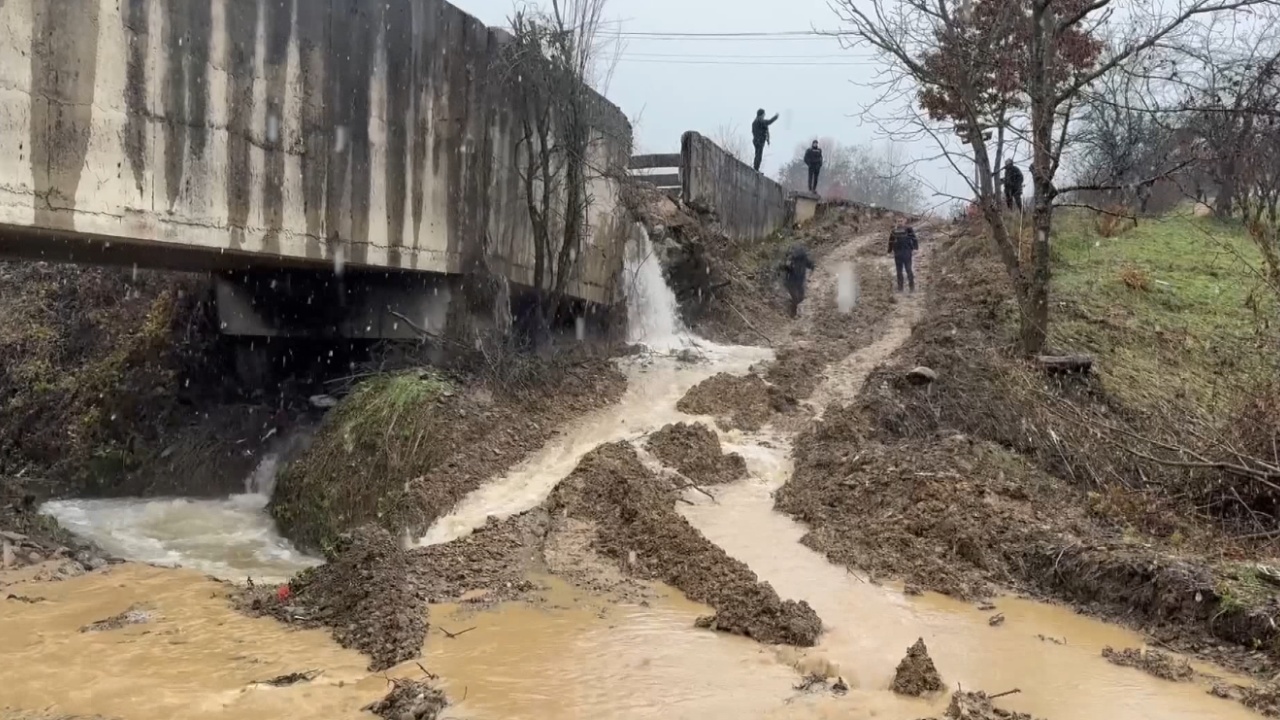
x,y
803,207
750,205
219,134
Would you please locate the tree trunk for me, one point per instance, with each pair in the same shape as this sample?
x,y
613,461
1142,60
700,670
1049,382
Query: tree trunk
x,y
1034,322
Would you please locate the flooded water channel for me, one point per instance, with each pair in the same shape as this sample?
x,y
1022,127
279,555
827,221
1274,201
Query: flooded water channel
x,y
570,655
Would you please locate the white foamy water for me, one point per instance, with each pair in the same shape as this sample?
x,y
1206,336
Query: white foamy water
x,y
230,538
653,315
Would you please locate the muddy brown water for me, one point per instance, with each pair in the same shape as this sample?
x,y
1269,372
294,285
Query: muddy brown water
x,y
571,655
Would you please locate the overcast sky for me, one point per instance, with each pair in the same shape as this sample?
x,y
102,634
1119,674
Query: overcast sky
x,y
670,85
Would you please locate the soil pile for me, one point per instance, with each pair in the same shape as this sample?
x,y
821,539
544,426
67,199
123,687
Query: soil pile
x,y
945,516
797,370
916,675
637,525
694,450
744,402
1152,662
486,566
402,449
977,706
409,700
364,593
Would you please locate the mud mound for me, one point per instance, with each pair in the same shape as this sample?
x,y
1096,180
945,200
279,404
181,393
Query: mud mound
x,y
977,706
1152,662
916,674
694,450
409,700
952,516
797,371
637,525
364,594
402,449
489,565
744,402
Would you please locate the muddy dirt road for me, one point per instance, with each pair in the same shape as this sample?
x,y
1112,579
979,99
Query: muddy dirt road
x,y
567,650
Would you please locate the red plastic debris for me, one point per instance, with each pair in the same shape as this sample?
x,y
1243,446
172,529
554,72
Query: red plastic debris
x,y
283,593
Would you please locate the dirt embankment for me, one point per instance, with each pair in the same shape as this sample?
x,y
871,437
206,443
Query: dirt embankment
x,y
744,402
637,525
988,477
118,383
363,593
694,450
403,448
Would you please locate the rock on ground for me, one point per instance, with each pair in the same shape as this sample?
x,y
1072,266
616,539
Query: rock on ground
x,y
694,450
744,402
1152,662
916,674
637,526
135,615
409,700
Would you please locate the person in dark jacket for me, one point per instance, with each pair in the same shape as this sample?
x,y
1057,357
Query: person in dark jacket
x,y
760,134
813,159
1012,185
903,244
795,269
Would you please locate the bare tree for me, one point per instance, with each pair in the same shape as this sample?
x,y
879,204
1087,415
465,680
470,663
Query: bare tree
x,y
730,139
549,68
861,173
974,62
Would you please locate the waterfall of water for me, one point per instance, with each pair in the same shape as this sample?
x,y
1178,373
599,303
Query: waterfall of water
x,y
653,316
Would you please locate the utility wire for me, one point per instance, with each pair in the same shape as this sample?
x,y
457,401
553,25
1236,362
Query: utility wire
x,y
655,61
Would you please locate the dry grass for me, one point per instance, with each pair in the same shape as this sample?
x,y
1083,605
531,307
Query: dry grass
x,y
1135,278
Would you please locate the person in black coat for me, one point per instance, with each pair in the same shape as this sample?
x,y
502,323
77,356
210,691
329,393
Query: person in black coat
x,y
795,269
903,244
1012,185
813,160
760,134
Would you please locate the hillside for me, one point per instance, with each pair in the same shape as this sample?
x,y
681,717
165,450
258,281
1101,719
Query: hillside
x,y
1118,491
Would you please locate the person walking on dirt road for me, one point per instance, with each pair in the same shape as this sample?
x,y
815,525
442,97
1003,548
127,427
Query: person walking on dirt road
x,y
903,244
760,135
795,269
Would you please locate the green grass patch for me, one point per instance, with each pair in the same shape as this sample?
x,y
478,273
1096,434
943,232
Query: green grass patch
x,y
1171,307
384,434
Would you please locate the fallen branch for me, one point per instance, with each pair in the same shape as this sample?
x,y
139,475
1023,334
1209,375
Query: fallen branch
x,y
451,636
1058,364
748,323
291,678
1014,691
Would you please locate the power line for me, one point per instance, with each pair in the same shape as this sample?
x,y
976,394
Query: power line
x,y
656,61
719,56
779,33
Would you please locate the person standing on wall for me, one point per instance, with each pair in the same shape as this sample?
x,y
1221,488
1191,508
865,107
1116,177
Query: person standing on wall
x,y
813,159
760,135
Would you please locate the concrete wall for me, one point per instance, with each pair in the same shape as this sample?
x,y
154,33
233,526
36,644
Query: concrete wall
x,y
750,205
217,134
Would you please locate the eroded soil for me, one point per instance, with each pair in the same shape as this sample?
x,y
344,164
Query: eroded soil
x,y
694,450
637,525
